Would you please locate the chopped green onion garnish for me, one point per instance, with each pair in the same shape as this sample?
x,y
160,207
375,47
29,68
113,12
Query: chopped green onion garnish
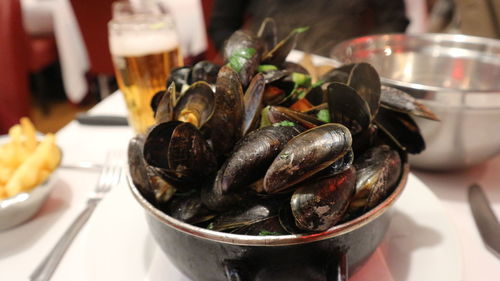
x,y
285,123
324,115
300,29
266,67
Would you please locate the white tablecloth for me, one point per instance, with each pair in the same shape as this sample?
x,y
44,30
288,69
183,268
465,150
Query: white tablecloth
x,y
23,247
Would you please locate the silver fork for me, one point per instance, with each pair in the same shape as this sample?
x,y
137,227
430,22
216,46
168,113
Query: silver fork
x,y
109,177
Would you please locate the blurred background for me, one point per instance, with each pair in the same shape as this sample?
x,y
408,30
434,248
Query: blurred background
x,y
55,56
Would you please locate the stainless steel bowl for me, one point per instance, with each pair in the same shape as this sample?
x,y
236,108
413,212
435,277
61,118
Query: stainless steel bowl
x,y
457,76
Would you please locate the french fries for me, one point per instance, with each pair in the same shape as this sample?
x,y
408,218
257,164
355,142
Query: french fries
x,y
25,162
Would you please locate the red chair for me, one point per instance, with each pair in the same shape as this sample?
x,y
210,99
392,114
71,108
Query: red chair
x,y
92,17
14,87
211,53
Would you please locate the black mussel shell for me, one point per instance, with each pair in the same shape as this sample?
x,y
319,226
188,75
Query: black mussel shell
x,y
217,200
336,167
155,100
339,74
274,75
307,154
189,208
347,107
365,80
253,103
378,171
252,156
278,54
205,71
319,205
189,153
401,129
162,187
180,150
180,76
243,52
224,128
245,216
266,227
137,166
397,100
164,110
268,33
197,105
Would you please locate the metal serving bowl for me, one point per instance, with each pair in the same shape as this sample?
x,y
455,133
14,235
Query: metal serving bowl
x,y
457,76
207,255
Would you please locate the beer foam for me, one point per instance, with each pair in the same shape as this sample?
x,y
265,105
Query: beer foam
x,y
144,43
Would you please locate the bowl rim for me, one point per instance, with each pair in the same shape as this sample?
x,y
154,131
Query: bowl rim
x,y
278,240
338,51
26,195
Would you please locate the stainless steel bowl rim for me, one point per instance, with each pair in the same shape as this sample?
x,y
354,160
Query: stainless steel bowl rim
x,y
338,54
279,240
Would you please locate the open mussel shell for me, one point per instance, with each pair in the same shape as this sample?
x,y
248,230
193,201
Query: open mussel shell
x,y
148,179
180,76
137,166
278,54
205,71
268,33
224,127
378,171
274,75
252,156
366,81
252,100
319,205
189,153
307,154
401,129
397,100
347,107
197,104
164,109
339,74
180,150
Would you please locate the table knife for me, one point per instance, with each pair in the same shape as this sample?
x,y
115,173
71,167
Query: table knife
x,y
485,219
102,120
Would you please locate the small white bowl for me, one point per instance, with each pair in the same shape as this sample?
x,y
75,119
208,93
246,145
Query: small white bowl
x,y
23,206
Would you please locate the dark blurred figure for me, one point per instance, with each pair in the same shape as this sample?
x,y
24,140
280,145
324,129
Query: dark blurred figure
x,y
471,17
330,21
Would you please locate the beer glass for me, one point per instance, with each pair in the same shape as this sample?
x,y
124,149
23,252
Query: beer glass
x,y
144,48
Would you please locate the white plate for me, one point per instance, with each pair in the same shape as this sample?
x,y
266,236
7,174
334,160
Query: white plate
x,y
421,243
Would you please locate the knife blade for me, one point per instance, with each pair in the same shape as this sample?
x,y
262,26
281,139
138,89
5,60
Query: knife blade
x,y
485,219
101,120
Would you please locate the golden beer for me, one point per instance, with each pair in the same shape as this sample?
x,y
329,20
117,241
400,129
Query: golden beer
x,y
143,54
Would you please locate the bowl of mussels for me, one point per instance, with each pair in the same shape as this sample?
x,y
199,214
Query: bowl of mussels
x,y
255,172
